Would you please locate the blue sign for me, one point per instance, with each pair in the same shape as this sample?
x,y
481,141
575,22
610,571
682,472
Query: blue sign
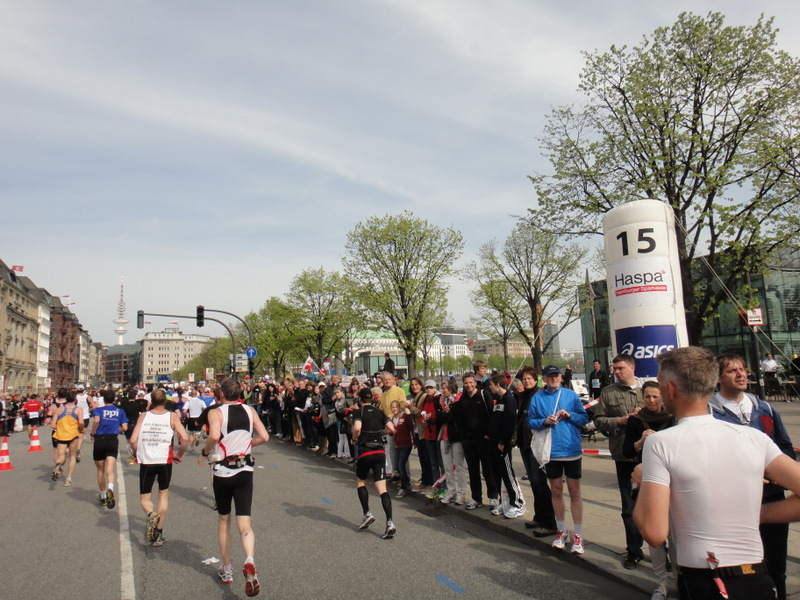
x,y
645,343
251,352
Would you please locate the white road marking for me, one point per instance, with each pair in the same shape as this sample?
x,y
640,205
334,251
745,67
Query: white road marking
x,y
127,588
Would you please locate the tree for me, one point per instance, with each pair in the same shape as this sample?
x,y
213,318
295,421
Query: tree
x,y
702,116
400,262
322,311
540,270
496,303
275,344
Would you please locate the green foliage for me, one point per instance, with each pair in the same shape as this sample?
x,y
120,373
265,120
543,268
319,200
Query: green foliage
x,y
399,263
321,311
273,341
539,273
702,116
214,356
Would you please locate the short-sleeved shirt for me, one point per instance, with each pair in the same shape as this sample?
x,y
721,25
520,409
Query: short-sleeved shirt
x,y
373,423
111,419
714,471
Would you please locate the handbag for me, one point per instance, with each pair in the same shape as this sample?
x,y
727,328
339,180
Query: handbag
x,y
542,440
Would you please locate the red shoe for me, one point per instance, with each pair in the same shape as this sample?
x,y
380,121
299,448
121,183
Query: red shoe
x,y
251,585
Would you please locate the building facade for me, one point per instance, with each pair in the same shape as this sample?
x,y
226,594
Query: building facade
x,y
164,352
18,334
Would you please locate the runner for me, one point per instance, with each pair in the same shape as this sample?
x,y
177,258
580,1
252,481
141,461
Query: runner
x,y
82,401
230,439
152,443
67,422
32,410
133,407
108,420
369,426
193,408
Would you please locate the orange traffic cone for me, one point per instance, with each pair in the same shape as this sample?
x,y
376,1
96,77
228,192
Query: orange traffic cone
x,y
5,460
35,445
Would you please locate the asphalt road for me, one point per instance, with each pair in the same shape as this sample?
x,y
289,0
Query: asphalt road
x,y
58,542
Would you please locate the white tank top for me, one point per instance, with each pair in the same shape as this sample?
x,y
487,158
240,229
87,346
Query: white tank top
x,y
155,439
236,436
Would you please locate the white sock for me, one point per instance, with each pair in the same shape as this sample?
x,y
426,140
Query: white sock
x,y
249,559
111,486
562,525
578,528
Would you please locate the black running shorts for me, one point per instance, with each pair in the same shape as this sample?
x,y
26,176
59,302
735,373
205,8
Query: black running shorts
x,y
236,490
374,461
148,475
105,446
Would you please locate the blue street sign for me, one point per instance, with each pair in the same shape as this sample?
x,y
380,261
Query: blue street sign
x,y
250,352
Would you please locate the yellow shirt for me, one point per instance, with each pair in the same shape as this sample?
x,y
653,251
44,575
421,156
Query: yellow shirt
x,y
394,393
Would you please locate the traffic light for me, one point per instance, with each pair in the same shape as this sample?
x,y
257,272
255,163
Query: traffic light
x,y
140,319
251,368
201,315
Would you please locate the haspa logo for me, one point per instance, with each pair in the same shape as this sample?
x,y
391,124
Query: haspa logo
x,y
627,279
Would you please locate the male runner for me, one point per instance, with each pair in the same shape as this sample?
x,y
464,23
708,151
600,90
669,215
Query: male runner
x,y
230,438
369,426
152,443
193,408
108,421
67,421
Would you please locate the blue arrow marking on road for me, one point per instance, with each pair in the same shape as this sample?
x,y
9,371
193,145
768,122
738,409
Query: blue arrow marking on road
x,y
274,466
326,501
450,584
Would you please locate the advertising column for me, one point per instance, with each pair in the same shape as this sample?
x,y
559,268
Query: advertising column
x,y
645,298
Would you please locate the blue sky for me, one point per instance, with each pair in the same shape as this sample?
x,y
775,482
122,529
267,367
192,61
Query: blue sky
x,y
209,151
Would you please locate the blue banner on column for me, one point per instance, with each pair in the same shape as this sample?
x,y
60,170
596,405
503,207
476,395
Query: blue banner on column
x,y
645,343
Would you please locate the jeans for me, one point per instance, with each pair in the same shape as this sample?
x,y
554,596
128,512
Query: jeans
x,y
633,539
401,463
542,498
435,459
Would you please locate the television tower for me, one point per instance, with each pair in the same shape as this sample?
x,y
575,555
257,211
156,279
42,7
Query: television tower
x,y
121,321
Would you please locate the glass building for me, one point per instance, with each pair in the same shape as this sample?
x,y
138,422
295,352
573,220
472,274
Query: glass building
x,y
778,298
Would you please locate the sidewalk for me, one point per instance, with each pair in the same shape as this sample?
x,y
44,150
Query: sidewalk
x,y
604,536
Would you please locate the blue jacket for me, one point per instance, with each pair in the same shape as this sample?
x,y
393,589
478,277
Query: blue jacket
x,y
566,435
763,418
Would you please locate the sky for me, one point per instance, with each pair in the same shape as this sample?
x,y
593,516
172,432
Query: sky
x,y
210,151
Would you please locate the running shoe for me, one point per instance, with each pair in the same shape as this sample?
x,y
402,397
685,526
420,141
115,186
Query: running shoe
x,y
561,540
159,541
577,544
111,502
449,497
152,527
460,500
400,493
225,573
131,458
68,482
251,585
434,493
497,510
493,503
418,487
56,473
102,499
514,512
660,593
77,456
368,520
390,531
473,504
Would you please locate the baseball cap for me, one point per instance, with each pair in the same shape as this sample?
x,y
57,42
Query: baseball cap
x,y
430,383
550,370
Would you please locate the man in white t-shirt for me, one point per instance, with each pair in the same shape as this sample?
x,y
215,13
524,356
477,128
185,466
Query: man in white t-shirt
x,y
689,472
